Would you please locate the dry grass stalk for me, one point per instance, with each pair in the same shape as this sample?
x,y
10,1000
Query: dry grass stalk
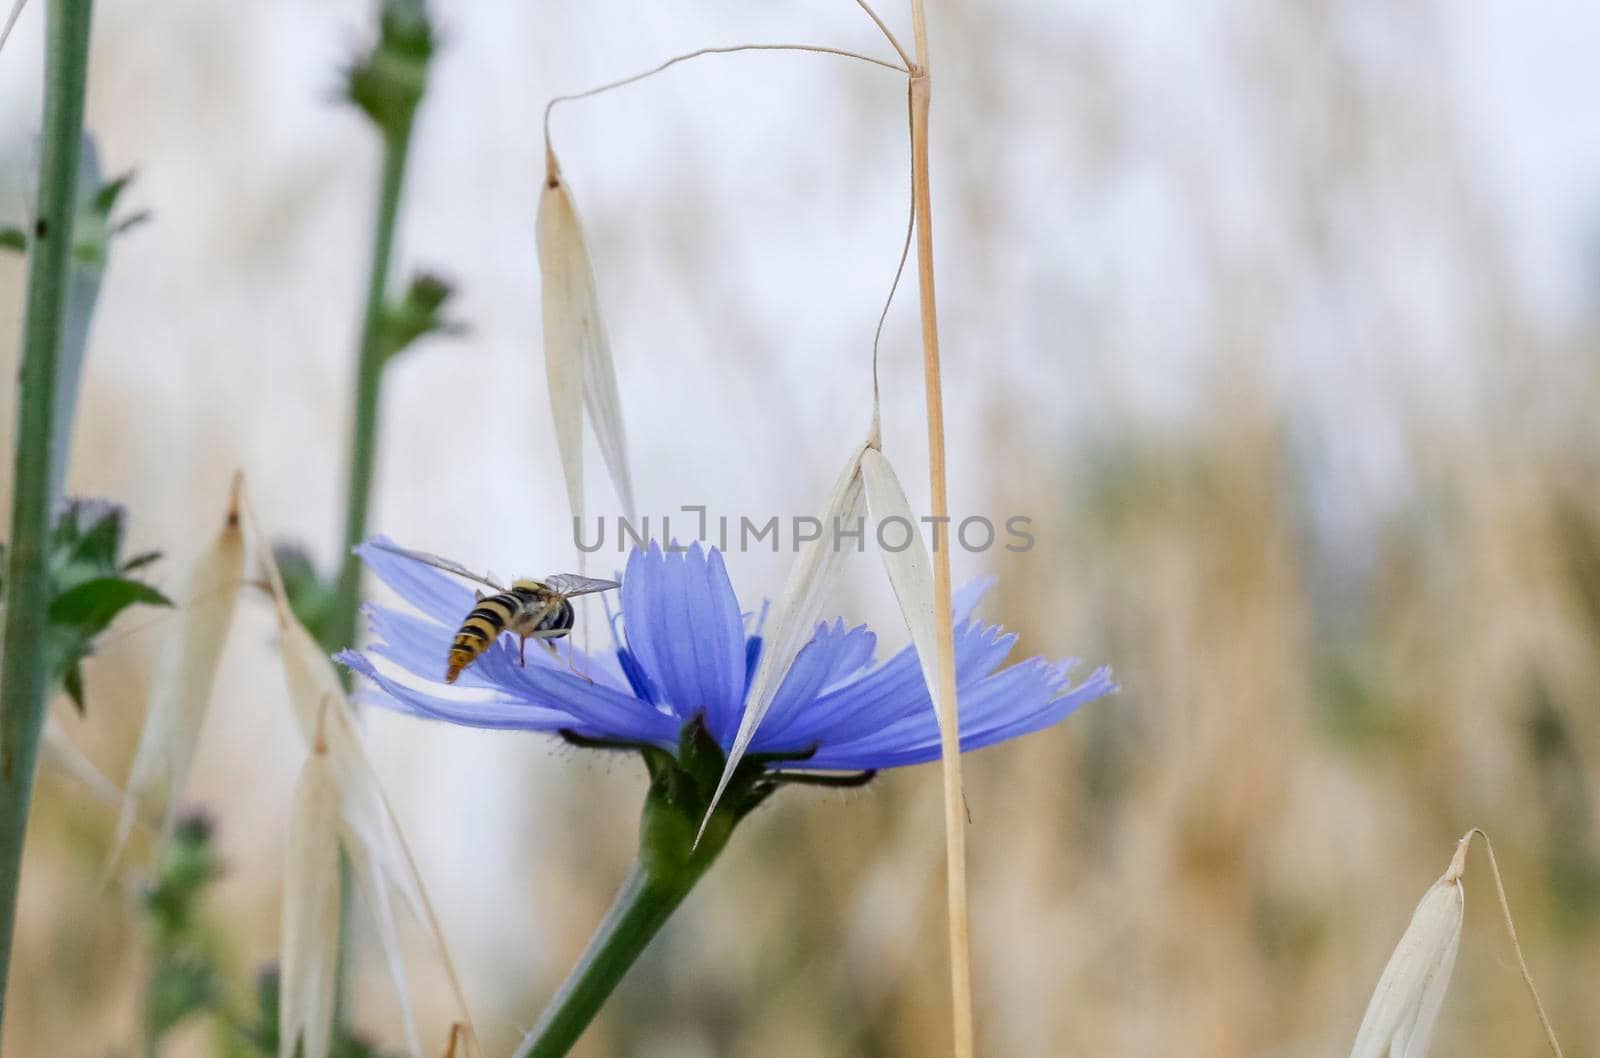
x,y
950,728
185,674
1516,946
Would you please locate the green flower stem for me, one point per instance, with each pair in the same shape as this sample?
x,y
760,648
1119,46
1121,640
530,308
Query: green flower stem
x,y
388,85
358,491
642,906
670,863
22,687
369,381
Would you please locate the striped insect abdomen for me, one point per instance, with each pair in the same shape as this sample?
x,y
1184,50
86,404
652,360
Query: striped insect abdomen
x,y
559,620
483,625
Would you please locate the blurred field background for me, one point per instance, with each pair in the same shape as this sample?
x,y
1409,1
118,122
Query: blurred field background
x,y
1280,321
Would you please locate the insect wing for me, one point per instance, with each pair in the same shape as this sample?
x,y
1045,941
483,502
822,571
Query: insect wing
x,y
437,563
570,584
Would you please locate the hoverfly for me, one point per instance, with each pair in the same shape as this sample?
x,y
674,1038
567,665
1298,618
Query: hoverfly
x,y
529,609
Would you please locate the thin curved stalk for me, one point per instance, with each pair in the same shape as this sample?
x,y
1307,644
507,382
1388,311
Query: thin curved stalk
x,y
732,49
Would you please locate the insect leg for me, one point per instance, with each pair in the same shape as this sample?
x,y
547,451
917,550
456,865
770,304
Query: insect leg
x,y
549,637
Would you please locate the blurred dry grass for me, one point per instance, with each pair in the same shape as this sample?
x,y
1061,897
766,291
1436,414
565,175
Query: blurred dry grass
x,y
1349,576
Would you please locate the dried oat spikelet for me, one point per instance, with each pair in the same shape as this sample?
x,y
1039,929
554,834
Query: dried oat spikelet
x,y
310,928
380,859
793,621
57,750
1405,1005
578,364
185,673
1400,1018
910,573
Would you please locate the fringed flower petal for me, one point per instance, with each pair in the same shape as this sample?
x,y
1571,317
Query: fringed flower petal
x,y
546,701
831,654
989,714
446,601
684,625
685,655
892,691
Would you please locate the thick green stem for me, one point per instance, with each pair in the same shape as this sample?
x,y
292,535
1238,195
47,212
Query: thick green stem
x,y
22,687
640,909
670,863
369,380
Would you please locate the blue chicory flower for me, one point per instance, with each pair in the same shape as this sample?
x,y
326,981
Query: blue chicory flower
x,y
688,651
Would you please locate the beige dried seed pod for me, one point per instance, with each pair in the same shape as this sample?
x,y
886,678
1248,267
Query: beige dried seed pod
x,y
909,570
56,750
310,927
380,859
578,364
186,671
1405,1005
792,622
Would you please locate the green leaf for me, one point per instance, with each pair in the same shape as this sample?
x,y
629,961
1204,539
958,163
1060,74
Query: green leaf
x,y
139,561
189,864
92,605
416,314
99,544
178,989
133,220
311,599
14,239
264,1034
105,199
85,543
388,83
72,683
